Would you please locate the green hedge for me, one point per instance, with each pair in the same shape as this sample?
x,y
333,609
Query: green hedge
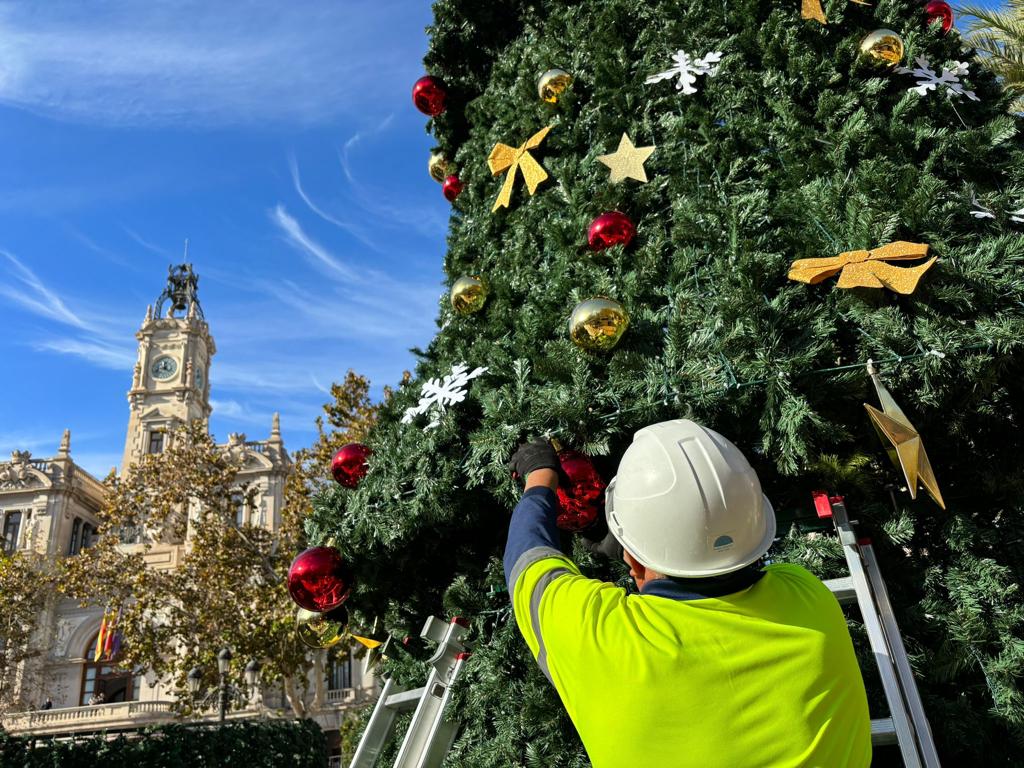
x,y
272,744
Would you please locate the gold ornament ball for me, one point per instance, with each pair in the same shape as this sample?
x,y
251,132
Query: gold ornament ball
x,y
598,324
552,84
317,631
469,294
439,167
883,47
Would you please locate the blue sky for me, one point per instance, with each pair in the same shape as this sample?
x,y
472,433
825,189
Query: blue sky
x,y
278,137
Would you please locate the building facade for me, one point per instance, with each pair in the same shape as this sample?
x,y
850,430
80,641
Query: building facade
x,y
50,506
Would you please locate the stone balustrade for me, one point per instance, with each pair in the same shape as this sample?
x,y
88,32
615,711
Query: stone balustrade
x,y
138,714
127,714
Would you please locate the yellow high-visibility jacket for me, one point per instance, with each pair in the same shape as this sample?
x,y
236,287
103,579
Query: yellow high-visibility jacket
x,y
755,669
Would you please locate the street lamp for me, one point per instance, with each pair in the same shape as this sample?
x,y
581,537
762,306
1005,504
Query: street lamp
x,y
252,674
194,678
223,665
224,692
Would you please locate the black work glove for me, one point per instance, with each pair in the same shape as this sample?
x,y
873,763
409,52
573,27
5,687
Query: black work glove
x,y
530,456
600,541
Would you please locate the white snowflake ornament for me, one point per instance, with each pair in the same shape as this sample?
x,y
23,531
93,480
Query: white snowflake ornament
x,y
686,68
437,394
1017,216
929,80
980,211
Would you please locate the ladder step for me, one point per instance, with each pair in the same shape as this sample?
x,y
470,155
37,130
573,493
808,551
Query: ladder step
x,y
843,589
404,700
883,731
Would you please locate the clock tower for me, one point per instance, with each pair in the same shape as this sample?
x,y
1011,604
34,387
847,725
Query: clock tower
x,y
170,386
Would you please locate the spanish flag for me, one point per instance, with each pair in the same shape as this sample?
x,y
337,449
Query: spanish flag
x,y
102,636
112,637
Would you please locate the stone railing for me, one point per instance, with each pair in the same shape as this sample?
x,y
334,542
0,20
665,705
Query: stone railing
x,y
126,714
137,714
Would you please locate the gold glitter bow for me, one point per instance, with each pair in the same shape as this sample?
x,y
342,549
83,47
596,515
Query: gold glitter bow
x,y
867,269
503,157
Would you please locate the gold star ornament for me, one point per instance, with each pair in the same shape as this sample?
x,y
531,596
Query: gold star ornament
x,y
811,9
903,443
627,162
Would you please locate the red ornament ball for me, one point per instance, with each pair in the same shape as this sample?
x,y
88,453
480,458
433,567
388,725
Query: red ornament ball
x,y
349,464
452,188
939,10
430,95
582,497
319,579
608,229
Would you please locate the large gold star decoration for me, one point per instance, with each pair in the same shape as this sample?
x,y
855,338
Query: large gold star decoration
x,y
904,444
811,9
627,162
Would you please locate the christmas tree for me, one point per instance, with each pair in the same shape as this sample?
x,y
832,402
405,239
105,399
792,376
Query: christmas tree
x,y
863,137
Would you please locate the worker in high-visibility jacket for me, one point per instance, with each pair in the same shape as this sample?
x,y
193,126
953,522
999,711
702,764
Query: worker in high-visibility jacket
x,y
718,661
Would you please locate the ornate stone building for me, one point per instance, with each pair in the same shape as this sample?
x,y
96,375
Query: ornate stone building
x,y
50,505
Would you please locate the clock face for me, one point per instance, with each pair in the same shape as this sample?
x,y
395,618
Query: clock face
x,y
163,368
199,378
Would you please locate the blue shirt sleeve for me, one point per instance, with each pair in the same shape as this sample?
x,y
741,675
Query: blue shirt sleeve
x,y
532,526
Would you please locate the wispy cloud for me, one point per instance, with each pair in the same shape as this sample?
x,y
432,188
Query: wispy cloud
x,y
431,221
97,342
190,62
298,238
28,291
347,226
153,247
105,354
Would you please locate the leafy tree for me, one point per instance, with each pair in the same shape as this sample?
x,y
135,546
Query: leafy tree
x,y
26,583
998,34
228,588
346,419
795,149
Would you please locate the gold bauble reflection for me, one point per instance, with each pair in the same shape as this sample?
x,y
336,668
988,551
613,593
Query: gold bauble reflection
x,y
438,166
883,47
552,84
469,294
598,323
316,630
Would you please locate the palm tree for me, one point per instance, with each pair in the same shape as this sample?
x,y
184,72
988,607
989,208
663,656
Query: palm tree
x,y
999,37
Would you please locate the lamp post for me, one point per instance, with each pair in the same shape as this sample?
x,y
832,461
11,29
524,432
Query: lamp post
x,y
224,691
223,665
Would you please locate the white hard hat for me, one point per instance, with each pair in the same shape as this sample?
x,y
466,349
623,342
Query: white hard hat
x,y
686,502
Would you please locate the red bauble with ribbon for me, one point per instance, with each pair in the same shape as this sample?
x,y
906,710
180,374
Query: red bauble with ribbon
x,y
939,10
349,465
608,229
319,579
430,95
452,188
580,491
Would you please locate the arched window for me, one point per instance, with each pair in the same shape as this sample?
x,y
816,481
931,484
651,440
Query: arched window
x,y
104,678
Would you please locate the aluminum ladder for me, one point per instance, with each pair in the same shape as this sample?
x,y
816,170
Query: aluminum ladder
x,y
430,733
907,724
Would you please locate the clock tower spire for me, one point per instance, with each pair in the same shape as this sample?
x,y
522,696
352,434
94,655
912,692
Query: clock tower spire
x,y
170,386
